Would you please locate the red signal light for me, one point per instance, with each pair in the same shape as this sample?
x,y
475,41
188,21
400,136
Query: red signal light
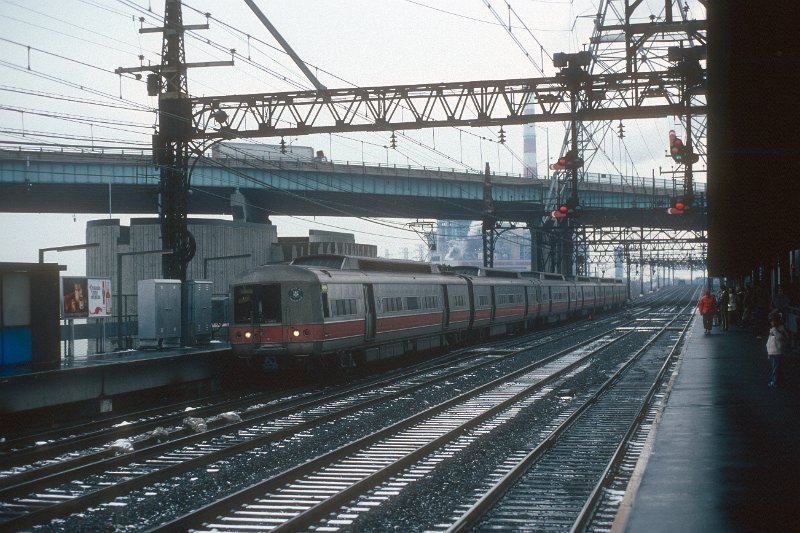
x,y
679,205
563,209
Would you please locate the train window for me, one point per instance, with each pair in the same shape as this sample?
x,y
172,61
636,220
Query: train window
x,y
459,301
430,302
345,306
393,304
412,302
483,300
257,303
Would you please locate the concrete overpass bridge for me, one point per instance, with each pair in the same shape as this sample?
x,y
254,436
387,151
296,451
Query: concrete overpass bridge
x,y
127,183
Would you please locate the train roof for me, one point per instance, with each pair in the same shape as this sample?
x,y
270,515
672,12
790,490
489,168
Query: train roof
x,y
483,272
365,264
378,264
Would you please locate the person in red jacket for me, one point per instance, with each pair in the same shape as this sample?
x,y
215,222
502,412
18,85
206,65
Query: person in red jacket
x,y
708,308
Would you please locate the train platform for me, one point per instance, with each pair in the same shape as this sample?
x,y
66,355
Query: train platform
x,y
93,382
725,455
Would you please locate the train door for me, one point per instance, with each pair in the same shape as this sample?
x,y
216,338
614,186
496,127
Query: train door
x,y
527,297
446,307
471,297
369,313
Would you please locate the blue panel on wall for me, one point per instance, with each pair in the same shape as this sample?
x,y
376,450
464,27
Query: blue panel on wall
x,y
17,346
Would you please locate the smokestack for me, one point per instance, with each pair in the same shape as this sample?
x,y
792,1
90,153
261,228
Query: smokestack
x,y
529,144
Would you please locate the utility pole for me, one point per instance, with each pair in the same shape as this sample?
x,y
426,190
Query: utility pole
x,y
687,68
575,78
171,145
489,222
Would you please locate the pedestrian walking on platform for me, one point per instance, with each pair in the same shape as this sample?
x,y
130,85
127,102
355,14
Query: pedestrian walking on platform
x,y
708,308
777,341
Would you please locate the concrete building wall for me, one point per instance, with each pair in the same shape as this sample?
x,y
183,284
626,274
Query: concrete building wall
x,y
224,249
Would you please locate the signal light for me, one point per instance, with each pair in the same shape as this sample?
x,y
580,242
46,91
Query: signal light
x,y
679,206
571,208
568,161
680,153
676,147
153,84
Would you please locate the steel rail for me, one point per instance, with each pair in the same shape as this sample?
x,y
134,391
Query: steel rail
x,y
476,512
34,479
98,496
612,469
234,500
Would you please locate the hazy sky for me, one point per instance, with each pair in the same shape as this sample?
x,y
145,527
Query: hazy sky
x,y
57,59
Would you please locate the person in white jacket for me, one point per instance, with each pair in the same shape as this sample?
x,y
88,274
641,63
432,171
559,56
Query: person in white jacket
x,y
776,346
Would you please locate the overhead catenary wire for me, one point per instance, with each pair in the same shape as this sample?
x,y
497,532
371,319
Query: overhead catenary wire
x,y
420,145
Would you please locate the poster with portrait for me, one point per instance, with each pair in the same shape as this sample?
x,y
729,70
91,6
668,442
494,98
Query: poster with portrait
x,y
99,297
75,303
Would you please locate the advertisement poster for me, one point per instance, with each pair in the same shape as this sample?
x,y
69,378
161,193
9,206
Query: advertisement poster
x,y
99,297
75,292
86,297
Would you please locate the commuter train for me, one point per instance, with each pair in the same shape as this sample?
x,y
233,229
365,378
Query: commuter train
x,y
338,310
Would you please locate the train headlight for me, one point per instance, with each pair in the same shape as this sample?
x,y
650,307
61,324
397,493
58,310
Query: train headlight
x,y
295,333
248,335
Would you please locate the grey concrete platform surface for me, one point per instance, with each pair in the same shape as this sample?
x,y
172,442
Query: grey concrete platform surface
x,y
726,454
100,377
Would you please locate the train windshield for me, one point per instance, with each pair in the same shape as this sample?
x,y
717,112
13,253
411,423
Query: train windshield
x,y
257,304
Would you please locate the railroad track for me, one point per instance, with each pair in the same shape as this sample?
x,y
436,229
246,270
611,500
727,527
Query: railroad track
x,y
338,489
32,456
115,483
570,479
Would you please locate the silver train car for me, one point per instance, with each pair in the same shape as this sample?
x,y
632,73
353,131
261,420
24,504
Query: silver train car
x,y
338,310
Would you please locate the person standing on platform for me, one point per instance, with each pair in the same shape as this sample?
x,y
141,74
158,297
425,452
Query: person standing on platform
x,y
708,308
733,307
776,346
724,298
779,302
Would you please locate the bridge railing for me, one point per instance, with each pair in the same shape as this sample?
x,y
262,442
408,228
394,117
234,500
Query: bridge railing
x,y
634,184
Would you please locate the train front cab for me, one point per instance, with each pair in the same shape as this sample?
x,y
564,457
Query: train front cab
x,y
274,320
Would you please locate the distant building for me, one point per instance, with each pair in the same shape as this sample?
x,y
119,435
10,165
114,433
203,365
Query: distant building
x,y
325,242
225,248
